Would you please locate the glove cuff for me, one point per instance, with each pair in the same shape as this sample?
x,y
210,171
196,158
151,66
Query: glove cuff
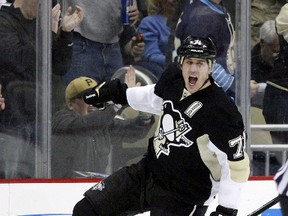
x,y
118,92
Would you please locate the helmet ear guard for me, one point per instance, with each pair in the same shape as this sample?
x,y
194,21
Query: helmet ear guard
x,y
211,63
180,60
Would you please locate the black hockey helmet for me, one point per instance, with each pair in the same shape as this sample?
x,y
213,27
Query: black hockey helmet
x,y
196,47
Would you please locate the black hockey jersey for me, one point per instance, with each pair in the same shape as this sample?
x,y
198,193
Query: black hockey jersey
x,y
198,149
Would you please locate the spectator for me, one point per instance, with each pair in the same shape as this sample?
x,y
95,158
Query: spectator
x,y
194,154
172,22
275,100
208,18
281,180
18,59
81,135
96,51
155,35
263,56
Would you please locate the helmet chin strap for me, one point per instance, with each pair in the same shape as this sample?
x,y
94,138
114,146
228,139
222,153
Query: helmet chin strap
x,y
206,81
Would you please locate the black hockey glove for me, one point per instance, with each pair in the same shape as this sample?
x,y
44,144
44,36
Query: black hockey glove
x,y
107,91
222,211
170,85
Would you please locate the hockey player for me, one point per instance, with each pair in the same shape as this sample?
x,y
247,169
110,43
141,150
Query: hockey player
x,y
198,149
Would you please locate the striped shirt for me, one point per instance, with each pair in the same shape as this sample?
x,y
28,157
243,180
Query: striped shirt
x,y
281,179
222,77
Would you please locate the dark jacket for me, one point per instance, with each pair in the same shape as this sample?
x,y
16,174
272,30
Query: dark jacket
x,y
203,18
18,47
18,66
81,144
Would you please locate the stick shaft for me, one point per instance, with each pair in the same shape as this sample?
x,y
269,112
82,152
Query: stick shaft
x,y
265,206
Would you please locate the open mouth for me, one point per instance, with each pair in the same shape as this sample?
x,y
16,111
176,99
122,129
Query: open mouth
x,y
192,80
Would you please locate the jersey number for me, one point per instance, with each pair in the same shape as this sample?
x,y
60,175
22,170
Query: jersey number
x,y
240,143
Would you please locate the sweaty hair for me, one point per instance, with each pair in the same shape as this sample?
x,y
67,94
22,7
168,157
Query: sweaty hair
x,y
267,31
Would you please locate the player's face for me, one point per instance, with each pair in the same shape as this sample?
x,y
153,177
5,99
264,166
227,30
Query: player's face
x,y
195,73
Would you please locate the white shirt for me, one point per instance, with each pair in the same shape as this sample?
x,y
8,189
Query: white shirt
x,y
143,99
2,2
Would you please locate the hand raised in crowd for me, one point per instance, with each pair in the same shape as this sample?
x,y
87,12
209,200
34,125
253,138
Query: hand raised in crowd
x,y
133,14
137,48
56,11
72,18
2,100
130,78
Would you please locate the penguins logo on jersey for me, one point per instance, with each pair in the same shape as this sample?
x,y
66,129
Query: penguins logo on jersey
x,y
171,131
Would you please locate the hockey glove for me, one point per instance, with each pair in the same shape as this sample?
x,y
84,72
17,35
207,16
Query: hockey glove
x,y
107,91
222,211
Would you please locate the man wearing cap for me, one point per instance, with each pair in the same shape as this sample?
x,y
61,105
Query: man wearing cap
x,y
81,134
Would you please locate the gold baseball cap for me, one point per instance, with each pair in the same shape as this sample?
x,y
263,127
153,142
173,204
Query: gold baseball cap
x,y
77,87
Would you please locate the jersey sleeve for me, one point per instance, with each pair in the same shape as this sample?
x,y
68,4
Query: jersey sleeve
x,y
233,176
144,99
229,148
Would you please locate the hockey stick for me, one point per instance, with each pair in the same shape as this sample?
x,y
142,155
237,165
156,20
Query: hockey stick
x,y
265,206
